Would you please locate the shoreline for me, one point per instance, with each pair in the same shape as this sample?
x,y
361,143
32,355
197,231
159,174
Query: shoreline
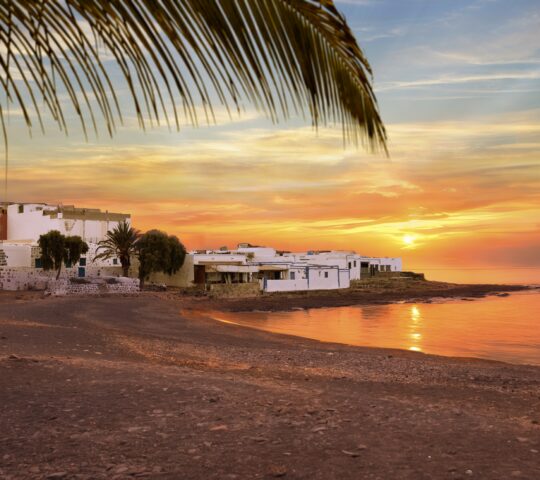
x,y
371,293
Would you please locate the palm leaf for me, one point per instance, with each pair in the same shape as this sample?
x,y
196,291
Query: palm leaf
x,y
283,56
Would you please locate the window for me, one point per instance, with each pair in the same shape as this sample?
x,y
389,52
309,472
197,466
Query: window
x,y
354,263
350,265
39,264
21,208
115,261
293,276
325,274
82,261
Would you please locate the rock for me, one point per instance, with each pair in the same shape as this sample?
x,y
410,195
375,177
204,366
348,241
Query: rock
x,y
278,471
217,428
468,472
351,454
522,439
121,469
259,439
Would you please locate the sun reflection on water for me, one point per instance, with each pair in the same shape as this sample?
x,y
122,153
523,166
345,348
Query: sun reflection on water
x,y
416,323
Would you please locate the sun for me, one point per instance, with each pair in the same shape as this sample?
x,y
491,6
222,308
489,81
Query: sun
x,y
408,240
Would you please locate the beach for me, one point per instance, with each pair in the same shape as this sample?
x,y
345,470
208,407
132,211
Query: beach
x,y
128,387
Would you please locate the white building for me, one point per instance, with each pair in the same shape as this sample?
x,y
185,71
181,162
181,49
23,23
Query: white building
x,y
21,225
27,221
279,271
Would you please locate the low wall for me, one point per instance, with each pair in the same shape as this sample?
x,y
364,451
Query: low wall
x,y
23,278
285,285
30,278
233,290
121,285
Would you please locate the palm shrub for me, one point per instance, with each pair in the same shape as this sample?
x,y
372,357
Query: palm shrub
x,y
120,242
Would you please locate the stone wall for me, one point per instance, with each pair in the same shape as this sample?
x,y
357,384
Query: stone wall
x,y
233,290
29,278
23,278
94,286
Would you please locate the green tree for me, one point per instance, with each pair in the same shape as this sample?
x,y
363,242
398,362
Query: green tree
x,y
120,243
286,57
159,252
57,249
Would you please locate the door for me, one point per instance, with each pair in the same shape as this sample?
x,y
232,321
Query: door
x,y
82,272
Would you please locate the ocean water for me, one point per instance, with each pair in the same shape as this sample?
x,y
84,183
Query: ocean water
x,y
497,328
511,275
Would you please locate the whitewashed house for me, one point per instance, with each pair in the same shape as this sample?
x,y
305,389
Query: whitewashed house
x,y
21,225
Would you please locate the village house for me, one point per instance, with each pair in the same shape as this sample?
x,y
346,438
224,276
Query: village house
x,y
269,270
21,225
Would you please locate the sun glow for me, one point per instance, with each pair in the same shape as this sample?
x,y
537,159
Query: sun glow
x,y
409,240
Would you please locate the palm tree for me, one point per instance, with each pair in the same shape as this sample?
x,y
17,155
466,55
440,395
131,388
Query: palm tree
x,y
120,242
286,57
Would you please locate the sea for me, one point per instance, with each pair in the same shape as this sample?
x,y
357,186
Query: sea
x,y
504,328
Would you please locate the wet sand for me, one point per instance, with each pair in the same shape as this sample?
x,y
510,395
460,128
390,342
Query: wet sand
x,y
127,387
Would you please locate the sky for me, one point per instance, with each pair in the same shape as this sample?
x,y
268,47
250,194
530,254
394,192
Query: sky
x,y
458,84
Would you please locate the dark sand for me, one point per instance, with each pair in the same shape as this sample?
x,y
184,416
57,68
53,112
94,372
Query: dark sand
x,y
125,387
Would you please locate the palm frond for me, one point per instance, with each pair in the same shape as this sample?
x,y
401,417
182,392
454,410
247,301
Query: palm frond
x,y
283,56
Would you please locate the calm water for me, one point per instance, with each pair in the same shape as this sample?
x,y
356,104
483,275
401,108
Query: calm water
x,y
522,275
498,328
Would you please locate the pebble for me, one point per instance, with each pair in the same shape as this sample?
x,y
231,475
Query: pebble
x,y
278,471
217,428
469,472
351,454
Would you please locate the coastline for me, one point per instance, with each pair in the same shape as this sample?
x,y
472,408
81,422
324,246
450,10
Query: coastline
x,y
148,392
369,293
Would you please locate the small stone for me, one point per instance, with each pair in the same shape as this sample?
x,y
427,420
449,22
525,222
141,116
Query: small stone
x,y
217,428
468,472
318,429
522,439
259,439
351,454
533,450
278,471
121,469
